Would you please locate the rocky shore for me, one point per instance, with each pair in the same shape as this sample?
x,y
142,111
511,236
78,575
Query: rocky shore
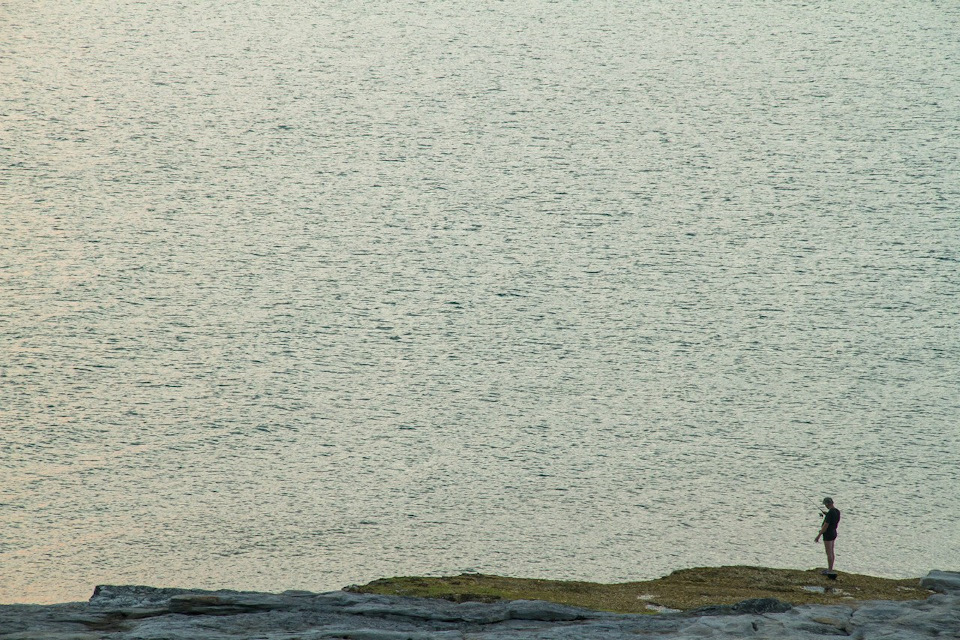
x,y
147,613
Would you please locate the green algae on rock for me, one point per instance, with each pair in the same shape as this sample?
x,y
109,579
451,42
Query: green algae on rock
x,y
684,590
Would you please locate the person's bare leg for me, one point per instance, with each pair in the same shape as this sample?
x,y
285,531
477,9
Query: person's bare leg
x,y
828,546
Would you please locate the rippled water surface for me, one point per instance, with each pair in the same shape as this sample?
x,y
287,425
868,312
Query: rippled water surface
x,y
300,294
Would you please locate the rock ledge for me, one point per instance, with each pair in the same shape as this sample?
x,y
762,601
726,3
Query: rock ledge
x,y
147,613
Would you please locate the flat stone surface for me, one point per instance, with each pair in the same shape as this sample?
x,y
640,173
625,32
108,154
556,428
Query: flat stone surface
x,y
146,613
942,581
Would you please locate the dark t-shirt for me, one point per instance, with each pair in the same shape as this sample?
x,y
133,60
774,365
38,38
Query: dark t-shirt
x,y
832,519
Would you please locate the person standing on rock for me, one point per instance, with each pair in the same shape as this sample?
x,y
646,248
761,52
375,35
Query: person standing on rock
x,y
829,530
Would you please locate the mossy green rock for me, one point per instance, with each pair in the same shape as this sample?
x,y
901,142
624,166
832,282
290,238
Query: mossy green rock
x,y
683,590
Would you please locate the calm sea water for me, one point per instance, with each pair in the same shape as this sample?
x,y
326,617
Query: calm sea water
x,y
302,294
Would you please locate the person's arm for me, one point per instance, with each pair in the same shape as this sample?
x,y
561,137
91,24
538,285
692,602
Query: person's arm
x,y
823,529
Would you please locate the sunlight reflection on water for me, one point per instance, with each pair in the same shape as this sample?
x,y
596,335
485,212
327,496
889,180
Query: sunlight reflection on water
x,y
297,296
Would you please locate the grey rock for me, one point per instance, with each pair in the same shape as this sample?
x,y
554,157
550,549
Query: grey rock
x,y
877,612
713,626
51,635
756,605
942,581
231,604
379,634
548,611
137,596
145,613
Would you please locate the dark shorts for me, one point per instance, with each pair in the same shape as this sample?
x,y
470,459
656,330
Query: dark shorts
x,y
829,535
